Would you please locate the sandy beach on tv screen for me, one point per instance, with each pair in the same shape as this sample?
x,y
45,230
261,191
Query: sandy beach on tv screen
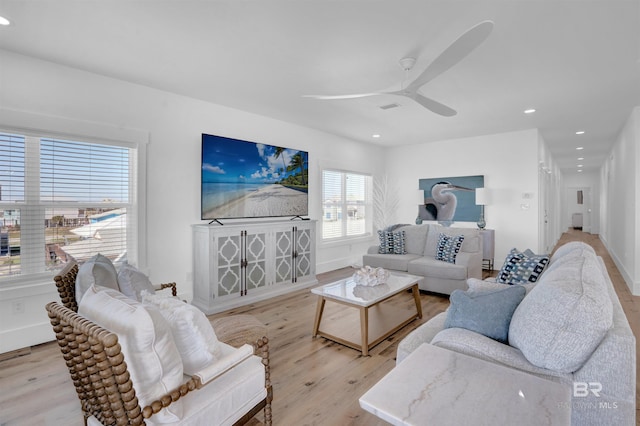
x,y
273,200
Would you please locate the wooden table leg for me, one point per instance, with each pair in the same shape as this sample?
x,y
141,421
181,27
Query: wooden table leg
x,y
416,296
319,309
364,329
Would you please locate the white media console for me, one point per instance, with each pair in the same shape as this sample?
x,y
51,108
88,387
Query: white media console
x,y
237,264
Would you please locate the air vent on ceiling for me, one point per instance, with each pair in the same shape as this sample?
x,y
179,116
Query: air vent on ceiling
x,y
389,106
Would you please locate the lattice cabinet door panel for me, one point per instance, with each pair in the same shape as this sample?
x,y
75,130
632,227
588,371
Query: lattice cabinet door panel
x,y
303,252
284,255
255,260
229,263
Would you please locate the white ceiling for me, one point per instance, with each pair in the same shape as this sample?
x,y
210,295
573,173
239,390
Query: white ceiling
x,y
576,61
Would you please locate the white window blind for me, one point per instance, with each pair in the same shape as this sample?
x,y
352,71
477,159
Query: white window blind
x,y
64,198
346,204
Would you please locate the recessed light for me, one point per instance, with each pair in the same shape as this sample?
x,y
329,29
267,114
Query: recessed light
x,y
580,132
580,147
580,158
4,21
579,165
579,171
529,111
375,136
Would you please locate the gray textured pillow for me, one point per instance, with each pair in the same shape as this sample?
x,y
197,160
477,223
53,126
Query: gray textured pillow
x,y
565,317
486,312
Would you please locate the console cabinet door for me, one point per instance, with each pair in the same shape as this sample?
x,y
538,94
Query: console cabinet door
x,y
303,253
283,255
228,264
255,255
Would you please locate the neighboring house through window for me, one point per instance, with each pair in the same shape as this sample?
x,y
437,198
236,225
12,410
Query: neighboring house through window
x,y
346,204
62,198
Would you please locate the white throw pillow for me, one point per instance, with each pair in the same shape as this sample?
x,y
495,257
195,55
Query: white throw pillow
x,y
147,344
132,282
96,271
195,338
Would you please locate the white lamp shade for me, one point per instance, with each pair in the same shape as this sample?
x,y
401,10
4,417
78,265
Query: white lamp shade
x,y
420,196
482,196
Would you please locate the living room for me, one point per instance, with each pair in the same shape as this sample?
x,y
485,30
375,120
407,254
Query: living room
x,y
527,211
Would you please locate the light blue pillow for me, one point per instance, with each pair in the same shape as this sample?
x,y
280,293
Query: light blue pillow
x,y
486,312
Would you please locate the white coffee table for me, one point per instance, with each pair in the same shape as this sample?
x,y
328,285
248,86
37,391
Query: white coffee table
x,y
377,320
437,386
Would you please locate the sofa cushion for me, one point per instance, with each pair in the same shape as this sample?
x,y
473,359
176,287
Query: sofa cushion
x,y
518,268
487,312
97,270
574,246
564,318
481,285
429,267
195,339
415,238
147,344
471,243
448,247
392,242
397,262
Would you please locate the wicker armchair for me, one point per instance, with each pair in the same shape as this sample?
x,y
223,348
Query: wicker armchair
x,y
99,372
66,283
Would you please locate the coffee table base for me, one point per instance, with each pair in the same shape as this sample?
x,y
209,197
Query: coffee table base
x,y
376,322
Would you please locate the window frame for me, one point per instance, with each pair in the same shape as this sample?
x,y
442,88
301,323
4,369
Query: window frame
x,y
71,130
368,204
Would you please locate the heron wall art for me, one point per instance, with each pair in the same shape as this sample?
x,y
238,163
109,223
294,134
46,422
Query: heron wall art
x,y
450,199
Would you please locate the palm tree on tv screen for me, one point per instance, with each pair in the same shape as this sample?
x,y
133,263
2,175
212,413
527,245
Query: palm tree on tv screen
x,y
298,162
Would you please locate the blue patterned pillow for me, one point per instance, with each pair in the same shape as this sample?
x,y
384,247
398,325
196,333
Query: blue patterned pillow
x,y
521,268
448,247
392,242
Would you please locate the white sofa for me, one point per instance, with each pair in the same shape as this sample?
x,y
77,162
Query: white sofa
x,y
421,243
569,328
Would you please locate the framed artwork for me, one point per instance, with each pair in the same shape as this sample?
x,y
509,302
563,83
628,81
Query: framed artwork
x,y
450,199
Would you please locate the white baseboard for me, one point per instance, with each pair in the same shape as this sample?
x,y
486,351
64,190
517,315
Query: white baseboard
x,y
34,334
634,286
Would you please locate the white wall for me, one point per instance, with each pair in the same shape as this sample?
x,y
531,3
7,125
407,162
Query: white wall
x,y
509,163
591,206
620,202
174,125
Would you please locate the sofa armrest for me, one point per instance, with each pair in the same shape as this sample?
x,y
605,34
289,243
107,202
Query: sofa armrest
x,y
476,345
472,261
373,250
172,286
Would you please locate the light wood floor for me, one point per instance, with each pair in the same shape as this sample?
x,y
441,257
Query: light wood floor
x,y
316,382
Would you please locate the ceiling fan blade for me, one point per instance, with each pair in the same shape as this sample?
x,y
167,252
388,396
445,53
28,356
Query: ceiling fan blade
x,y
354,96
432,105
453,54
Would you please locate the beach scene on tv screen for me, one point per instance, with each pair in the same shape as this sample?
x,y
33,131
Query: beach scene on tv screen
x,y
247,179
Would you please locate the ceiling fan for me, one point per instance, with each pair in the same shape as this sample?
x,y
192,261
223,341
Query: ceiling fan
x,y
453,54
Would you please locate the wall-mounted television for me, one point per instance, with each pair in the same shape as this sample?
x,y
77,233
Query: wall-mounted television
x,y
243,179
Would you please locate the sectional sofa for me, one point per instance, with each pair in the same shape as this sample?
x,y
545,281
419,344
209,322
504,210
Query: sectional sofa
x,y
418,256
569,327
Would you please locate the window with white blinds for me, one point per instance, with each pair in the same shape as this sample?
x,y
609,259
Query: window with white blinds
x,y
346,204
62,198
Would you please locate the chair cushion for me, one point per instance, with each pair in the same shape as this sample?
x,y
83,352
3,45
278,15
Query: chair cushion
x,y
97,270
192,332
151,355
563,319
132,282
487,312
415,237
